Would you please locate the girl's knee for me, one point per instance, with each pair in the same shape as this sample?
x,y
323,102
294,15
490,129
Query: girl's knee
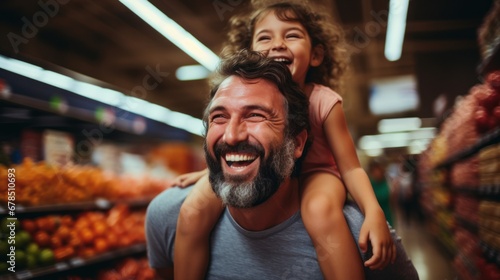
x,y
321,208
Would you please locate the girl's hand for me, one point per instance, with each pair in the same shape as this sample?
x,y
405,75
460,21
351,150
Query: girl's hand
x,y
188,179
375,229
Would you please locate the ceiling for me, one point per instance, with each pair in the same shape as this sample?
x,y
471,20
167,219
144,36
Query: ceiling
x,y
105,41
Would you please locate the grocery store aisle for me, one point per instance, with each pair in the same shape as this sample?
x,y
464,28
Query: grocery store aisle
x,y
430,258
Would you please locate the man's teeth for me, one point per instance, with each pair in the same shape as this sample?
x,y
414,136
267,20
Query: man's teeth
x,y
239,157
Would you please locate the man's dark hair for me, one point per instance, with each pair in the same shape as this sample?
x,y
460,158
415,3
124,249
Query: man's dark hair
x,y
251,65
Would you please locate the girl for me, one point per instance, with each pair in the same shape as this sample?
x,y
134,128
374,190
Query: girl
x,y
309,46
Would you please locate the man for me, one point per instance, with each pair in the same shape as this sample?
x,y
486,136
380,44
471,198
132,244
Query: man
x,y
256,132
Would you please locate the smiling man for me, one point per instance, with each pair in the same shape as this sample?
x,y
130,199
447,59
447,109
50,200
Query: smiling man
x,y
256,134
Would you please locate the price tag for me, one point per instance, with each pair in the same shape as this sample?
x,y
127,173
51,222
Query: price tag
x,y
102,203
61,266
77,262
57,147
24,274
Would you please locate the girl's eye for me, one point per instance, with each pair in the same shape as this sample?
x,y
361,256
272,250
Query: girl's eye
x,y
293,35
263,38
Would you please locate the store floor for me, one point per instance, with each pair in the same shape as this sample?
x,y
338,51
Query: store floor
x,y
428,256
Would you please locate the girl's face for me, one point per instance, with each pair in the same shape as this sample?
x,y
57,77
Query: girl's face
x,y
286,41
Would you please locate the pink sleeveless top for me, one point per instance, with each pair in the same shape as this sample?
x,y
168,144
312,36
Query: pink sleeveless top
x,y
319,157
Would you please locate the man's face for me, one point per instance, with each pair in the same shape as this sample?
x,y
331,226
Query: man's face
x,y
247,153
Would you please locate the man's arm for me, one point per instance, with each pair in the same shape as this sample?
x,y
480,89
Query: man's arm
x,y
161,222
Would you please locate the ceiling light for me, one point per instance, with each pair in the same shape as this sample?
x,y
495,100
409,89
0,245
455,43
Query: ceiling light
x,y
374,152
400,124
191,72
173,32
398,9
393,95
395,140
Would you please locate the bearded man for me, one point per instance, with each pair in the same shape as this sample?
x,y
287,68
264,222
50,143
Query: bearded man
x,y
256,134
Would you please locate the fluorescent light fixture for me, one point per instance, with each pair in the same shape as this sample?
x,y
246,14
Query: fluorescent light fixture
x,y
374,152
173,32
395,140
400,124
191,72
393,95
105,96
56,79
418,146
21,67
398,9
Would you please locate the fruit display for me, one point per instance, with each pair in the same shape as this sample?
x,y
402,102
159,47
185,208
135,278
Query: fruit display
x,y
43,184
464,174
461,170
487,115
49,239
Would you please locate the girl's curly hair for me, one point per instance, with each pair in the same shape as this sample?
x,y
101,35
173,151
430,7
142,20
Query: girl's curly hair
x,y
319,26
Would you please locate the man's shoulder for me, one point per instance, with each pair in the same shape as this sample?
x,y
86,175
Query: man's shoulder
x,y
167,204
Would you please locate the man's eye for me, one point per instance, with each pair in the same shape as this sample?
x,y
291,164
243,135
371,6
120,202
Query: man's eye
x,y
218,118
256,117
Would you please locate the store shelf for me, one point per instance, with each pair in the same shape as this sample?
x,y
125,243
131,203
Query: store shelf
x,y
463,222
490,138
98,204
75,263
31,94
490,253
488,192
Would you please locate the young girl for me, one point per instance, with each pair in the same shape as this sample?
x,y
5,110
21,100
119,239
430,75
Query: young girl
x,y
308,45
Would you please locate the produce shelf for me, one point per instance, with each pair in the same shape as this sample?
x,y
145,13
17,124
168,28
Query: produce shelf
x,y
467,224
98,204
75,263
490,138
485,192
490,253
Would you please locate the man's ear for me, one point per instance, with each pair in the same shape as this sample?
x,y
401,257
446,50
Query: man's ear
x,y
300,143
317,55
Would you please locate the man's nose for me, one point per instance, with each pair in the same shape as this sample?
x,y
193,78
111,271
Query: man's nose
x,y
236,132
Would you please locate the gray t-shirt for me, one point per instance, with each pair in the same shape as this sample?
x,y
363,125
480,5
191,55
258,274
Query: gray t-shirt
x,y
282,252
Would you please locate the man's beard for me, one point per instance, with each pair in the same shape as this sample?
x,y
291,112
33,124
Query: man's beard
x,y
239,191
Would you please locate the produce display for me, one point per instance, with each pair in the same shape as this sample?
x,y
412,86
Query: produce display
x,y
43,184
45,240
464,174
487,115
460,171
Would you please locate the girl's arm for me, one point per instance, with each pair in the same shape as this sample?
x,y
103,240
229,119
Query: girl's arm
x,y
186,180
358,185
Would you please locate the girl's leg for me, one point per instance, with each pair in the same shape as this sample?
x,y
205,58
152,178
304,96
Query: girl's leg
x,y
323,197
198,215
